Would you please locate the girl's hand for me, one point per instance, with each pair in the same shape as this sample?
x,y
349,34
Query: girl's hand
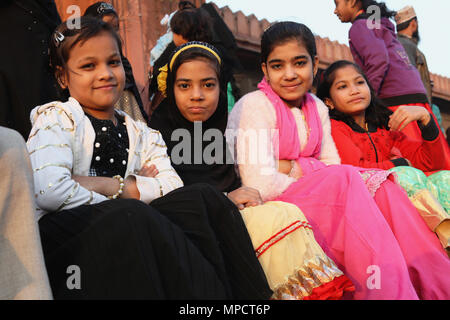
x,y
290,168
404,115
284,166
148,171
95,184
397,157
109,186
245,197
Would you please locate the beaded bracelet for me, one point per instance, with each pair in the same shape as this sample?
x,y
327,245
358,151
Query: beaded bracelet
x,y
121,185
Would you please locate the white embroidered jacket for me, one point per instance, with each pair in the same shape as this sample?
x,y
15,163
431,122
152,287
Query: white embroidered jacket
x,y
61,144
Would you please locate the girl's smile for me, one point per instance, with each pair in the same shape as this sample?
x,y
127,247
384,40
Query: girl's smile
x,y
356,100
292,87
107,87
196,110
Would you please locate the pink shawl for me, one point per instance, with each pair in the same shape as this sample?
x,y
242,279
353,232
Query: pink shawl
x,y
287,141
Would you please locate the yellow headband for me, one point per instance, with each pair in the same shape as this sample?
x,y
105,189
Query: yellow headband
x,y
194,45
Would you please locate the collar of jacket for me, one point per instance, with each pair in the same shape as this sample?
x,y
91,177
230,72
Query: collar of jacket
x,y
401,35
355,127
74,112
362,16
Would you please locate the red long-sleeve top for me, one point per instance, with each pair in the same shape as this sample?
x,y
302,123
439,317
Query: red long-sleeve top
x,y
377,147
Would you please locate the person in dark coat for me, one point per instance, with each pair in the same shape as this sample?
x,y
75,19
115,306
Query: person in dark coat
x,y
408,36
25,77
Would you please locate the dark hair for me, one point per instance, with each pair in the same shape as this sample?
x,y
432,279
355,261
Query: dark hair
x,y
385,12
377,113
404,25
65,38
182,5
192,24
282,32
100,9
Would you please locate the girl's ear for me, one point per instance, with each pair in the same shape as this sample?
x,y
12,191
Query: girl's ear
x,y
61,77
329,103
353,3
264,70
316,65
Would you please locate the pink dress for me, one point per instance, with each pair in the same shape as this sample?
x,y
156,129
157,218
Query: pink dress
x,y
362,220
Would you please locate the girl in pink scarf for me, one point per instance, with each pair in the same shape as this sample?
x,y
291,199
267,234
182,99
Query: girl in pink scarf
x,y
362,220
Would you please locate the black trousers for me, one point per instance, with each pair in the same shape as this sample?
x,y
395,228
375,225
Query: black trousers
x,y
215,225
189,244
124,249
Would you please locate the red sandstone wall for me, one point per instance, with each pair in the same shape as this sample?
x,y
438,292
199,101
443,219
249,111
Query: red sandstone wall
x,y
139,28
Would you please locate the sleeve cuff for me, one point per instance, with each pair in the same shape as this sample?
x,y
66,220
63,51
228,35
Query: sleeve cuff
x,y
148,188
429,132
400,162
97,198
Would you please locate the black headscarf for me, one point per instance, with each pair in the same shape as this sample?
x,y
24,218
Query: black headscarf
x,y
220,175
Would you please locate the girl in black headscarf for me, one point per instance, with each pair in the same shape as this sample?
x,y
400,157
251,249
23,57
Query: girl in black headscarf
x,y
196,111
169,119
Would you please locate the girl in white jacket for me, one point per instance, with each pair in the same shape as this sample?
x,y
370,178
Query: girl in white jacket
x,y
96,171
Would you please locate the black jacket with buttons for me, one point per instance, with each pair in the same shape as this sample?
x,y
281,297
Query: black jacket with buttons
x,y
25,77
